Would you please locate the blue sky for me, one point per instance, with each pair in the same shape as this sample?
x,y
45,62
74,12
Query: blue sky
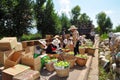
x,y
92,8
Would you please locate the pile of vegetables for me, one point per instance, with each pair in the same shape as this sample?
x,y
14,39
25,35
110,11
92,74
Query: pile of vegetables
x,y
81,47
51,60
71,53
61,65
83,56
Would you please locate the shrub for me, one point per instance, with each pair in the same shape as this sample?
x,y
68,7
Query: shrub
x,y
30,37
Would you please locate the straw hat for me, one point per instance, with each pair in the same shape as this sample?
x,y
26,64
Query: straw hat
x,y
56,36
72,27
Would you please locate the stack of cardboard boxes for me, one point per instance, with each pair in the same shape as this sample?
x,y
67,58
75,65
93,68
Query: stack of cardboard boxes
x,y
17,59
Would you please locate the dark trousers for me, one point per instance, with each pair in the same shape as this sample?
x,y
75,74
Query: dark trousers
x,y
76,48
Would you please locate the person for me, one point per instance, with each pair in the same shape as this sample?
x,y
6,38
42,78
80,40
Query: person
x,y
92,34
57,40
110,36
63,38
75,35
51,48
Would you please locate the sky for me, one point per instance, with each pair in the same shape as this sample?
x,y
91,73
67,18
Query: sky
x,y
91,8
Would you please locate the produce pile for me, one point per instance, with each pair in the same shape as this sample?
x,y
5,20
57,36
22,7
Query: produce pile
x,y
83,56
51,60
61,65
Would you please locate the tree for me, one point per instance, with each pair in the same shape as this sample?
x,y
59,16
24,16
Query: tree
x,y
65,22
117,29
6,17
16,17
47,20
103,22
22,18
40,15
75,13
84,18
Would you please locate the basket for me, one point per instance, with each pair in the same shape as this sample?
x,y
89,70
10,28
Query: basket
x,y
63,72
53,55
91,51
71,59
82,50
49,66
81,62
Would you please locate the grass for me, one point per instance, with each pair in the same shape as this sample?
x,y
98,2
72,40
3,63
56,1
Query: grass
x,y
102,74
104,36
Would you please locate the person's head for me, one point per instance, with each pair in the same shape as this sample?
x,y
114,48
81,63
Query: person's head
x,y
72,28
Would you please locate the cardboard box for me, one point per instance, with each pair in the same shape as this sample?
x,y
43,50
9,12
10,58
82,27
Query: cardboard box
x,y
8,43
1,69
18,47
27,43
4,55
30,49
34,63
27,75
13,59
9,73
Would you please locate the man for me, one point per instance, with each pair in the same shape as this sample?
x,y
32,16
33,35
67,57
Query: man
x,y
92,34
75,35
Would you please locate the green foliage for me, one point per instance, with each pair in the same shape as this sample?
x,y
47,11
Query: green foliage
x,y
75,13
104,23
47,20
65,22
117,29
84,18
16,17
102,74
30,37
104,36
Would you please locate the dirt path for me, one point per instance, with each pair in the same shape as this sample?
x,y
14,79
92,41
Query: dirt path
x,y
94,70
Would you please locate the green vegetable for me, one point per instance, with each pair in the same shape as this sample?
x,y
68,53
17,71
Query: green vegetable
x,y
50,60
43,59
64,64
71,52
84,56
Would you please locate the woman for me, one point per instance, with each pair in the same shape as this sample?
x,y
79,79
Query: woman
x,y
75,35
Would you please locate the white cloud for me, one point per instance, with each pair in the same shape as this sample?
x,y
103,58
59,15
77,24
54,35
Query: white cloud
x,y
108,12
65,7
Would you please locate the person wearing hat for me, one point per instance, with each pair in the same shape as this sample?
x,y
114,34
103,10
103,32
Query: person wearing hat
x,y
75,35
51,48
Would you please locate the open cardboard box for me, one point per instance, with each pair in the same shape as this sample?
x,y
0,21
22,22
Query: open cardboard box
x,y
27,75
34,63
4,55
13,59
9,73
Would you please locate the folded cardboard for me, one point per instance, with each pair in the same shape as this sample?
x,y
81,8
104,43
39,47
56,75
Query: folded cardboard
x,y
8,43
18,47
13,59
4,55
34,63
9,73
27,75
